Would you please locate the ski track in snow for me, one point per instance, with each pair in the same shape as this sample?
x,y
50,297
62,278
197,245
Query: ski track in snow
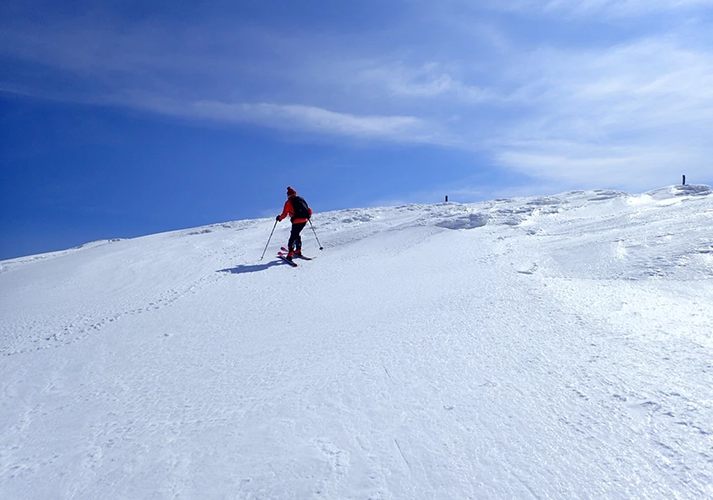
x,y
554,347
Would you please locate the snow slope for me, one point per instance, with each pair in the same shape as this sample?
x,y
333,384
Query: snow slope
x,y
557,347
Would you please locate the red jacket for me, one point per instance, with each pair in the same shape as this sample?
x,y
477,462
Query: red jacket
x,y
288,210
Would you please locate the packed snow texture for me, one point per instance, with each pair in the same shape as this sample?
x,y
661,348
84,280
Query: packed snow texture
x,y
558,347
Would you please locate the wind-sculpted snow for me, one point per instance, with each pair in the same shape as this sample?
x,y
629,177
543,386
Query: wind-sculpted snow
x,y
679,191
470,221
552,347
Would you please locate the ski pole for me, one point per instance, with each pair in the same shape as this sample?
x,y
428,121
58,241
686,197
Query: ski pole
x,y
268,240
315,235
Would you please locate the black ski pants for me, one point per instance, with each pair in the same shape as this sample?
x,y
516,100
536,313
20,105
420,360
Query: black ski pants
x,y
295,242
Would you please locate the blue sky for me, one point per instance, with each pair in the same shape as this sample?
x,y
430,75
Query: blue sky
x,y
119,119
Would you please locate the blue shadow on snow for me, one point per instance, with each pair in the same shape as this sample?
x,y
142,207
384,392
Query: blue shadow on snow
x,y
251,269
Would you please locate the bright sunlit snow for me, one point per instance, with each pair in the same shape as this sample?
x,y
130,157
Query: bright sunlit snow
x,y
558,347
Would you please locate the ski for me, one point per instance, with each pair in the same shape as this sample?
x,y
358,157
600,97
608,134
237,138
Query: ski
x,y
299,256
284,257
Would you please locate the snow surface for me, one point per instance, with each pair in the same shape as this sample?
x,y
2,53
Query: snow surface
x,y
557,347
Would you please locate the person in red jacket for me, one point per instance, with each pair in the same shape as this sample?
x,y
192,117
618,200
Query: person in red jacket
x,y
298,210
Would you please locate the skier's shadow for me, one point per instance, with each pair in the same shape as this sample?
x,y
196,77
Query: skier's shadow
x,y
243,269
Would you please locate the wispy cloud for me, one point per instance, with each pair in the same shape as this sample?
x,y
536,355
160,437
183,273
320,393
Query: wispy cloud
x,y
626,167
608,7
314,119
483,76
635,110
428,81
295,118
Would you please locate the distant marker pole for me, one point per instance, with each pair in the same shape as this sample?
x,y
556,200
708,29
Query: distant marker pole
x,y
315,235
268,240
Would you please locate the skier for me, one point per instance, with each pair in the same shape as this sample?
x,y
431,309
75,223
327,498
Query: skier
x,y
298,210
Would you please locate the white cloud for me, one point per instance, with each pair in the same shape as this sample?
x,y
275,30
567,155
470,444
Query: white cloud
x,y
630,168
310,118
637,86
291,117
627,114
426,81
580,165
472,82
606,7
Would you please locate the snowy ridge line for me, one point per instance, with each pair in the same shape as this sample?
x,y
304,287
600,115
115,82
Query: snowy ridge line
x,y
450,215
5,265
238,225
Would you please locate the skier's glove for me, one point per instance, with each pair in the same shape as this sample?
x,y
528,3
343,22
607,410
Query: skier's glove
x,y
278,218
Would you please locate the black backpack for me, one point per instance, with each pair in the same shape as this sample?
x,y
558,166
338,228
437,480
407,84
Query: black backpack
x,y
300,207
